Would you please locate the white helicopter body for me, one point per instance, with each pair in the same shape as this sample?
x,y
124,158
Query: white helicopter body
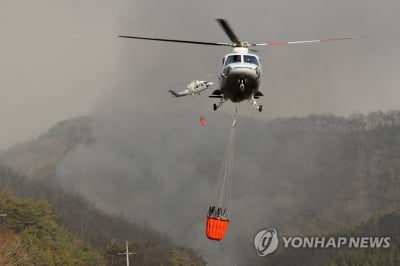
x,y
194,87
239,78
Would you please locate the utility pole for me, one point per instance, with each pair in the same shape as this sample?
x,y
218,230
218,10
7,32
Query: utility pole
x,y
127,253
2,215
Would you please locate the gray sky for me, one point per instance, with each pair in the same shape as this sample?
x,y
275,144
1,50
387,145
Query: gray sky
x,y
61,59
57,57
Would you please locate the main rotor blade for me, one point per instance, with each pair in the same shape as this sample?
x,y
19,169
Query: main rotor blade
x,y
224,24
311,41
171,40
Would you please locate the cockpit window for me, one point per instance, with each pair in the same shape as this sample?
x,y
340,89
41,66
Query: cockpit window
x,y
251,59
233,59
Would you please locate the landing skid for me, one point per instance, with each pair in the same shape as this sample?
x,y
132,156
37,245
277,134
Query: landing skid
x,y
222,100
255,104
216,106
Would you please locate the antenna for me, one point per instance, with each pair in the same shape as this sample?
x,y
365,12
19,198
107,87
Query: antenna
x,y
127,253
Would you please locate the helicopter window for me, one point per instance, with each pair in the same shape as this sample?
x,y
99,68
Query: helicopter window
x,y
233,59
251,59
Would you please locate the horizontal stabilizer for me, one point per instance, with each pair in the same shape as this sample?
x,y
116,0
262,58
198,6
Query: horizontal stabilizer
x,y
217,92
215,96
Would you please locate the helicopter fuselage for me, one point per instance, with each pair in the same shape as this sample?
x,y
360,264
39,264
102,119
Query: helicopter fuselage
x,y
195,87
240,75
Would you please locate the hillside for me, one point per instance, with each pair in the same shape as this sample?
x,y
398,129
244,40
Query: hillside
x,y
310,175
78,225
384,223
30,235
38,158
333,178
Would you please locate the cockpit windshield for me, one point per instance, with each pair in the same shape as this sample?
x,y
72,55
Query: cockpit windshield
x,y
233,59
251,59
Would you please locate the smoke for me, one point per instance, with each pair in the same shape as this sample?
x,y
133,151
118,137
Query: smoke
x,y
161,169
152,161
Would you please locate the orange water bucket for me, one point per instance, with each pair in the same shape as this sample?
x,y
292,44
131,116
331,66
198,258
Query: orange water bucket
x,y
216,228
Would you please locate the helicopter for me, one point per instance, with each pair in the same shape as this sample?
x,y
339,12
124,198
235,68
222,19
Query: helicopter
x,y
240,71
194,87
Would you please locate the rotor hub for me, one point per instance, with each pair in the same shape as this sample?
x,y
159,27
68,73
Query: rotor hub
x,y
242,44
240,50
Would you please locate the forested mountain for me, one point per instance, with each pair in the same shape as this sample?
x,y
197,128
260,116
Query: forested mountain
x,y
38,158
74,227
30,235
310,175
384,223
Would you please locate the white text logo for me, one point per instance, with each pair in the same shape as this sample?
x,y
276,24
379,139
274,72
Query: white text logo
x,y
266,241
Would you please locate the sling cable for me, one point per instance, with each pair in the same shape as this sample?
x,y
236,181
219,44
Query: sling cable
x,y
217,221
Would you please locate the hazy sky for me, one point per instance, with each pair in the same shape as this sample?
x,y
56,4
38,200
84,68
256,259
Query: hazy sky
x,y
60,59
56,58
